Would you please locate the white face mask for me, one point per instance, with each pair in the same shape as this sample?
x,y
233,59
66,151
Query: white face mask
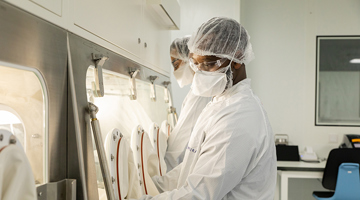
x,y
208,84
184,74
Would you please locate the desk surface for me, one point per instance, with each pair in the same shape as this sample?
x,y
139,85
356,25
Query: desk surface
x,y
300,166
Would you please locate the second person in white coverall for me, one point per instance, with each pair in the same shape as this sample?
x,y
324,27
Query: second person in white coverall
x,y
231,151
191,106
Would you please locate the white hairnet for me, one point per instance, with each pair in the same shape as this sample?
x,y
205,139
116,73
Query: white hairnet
x,y
222,37
179,49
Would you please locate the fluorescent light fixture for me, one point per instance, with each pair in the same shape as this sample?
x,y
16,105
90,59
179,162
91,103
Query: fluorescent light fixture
x,y
355,61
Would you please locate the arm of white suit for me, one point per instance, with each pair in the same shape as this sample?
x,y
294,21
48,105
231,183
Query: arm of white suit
x,y
223,162
168,181
16,178
179,137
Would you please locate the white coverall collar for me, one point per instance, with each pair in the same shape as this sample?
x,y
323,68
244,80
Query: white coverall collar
x,y
242,85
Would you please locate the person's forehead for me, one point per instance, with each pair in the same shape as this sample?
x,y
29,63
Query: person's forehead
x,y
200,58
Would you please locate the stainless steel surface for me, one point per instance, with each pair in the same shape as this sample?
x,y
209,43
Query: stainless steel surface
x,y
99,83
93,109
166,83
61,190
133,74
31,42
77,131
153,78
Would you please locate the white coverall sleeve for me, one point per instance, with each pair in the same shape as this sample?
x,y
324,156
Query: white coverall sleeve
x,y
169,181
179,137
16,178
224,159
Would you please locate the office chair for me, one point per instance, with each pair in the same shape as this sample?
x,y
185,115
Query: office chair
x,y
341,175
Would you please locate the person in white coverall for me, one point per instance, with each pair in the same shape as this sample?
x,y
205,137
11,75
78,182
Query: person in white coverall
x,y
191,106
231,151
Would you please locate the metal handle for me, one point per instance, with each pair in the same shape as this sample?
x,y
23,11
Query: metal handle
x,y
166,95
172,110
152,88
99,62
172,116
168,99
101,151
133,93
166,83
166,91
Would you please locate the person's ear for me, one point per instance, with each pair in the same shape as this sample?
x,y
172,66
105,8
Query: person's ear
x,y
236,66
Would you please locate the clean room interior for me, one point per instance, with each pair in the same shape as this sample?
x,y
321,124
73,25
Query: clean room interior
x,y
134,35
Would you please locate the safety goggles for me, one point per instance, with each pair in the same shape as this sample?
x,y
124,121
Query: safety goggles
x,y
207,66
175,63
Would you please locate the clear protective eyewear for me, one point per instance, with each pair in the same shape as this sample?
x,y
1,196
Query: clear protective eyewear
x,y
177,63
176,59
207,66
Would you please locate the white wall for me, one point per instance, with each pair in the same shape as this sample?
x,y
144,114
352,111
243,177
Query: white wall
x,y
193,14
283,35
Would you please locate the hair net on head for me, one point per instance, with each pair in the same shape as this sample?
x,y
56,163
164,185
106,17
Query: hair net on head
x,y
179,49
222,37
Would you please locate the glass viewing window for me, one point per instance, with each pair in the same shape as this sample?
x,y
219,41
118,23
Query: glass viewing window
x,y
338,81
23,112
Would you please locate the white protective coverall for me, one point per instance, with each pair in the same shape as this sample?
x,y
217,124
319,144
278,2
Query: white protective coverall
x,y
16,177
230,155
179,137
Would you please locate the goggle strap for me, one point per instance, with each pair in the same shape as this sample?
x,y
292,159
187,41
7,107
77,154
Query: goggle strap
x,y
219,63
